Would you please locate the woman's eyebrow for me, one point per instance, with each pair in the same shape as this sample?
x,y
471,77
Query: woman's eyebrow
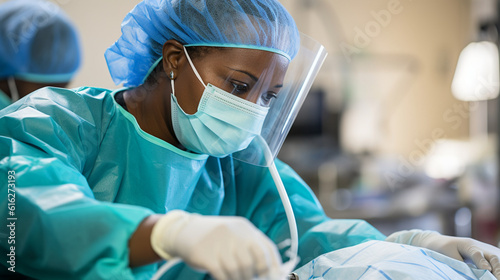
x,y
252,76
246,73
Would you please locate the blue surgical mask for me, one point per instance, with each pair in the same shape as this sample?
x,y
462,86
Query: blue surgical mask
x,y
224,123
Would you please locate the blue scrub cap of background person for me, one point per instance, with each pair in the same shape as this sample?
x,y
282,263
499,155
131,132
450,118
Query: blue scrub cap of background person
x,y
38,43
255,24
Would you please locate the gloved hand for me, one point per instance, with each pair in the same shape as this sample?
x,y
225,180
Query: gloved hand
x,y
225,247
483,255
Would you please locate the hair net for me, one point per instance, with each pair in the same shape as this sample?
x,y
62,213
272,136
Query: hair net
x,y
255,24
38,43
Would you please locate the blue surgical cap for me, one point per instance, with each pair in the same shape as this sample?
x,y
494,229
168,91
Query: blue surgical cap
x,y
38,43
254,24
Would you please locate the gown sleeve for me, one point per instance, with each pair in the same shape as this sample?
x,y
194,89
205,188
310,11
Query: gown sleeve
x,y
318,234
48,142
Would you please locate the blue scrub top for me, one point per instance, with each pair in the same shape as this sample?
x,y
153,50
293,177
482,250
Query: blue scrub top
x,y
86,175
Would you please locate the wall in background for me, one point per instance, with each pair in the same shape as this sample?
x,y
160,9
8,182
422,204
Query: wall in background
x,y
98,23
420,38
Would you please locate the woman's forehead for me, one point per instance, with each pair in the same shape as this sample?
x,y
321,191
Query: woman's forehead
x,y
250,60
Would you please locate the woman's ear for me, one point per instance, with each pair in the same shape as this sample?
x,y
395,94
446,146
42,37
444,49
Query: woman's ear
x,y
173,54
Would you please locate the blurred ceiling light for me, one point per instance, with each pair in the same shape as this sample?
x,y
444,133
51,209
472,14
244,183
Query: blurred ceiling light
x,y
477,74
447,159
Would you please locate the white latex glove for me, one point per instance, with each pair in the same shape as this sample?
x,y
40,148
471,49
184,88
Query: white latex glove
x,y
226,247
483,255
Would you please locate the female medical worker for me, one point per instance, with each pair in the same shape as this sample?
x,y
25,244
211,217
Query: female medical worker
x,y
39,47
103,185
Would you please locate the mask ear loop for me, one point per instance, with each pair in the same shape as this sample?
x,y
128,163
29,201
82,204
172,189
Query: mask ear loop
x,y
194,68
14,94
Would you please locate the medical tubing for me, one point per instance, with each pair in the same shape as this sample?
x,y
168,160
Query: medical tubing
x,y
164,268
289,215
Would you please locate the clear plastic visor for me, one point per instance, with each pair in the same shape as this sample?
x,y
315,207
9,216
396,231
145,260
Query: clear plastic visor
x,y
284,94
257,78
269,80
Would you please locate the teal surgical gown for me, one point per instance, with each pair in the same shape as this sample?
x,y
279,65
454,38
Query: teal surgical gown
x,y
4,100
85,175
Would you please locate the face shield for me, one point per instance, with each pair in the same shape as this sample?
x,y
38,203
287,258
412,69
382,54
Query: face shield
x,y
259,85
248,105
283,104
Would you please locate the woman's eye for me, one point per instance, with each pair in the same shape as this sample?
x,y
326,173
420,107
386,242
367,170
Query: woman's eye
x,y
268,97
239,89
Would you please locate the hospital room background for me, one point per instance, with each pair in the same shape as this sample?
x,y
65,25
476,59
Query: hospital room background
x,y
398,129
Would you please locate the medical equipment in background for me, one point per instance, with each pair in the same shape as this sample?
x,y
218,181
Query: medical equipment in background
x,y
477,74
264,148
477,80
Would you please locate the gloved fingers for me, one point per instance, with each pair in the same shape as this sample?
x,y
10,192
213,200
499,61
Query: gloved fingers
x,y
262,260
246,263
495,264
477,256
217,271
474,253
230,263
496,273
453,247
231,268
275,260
